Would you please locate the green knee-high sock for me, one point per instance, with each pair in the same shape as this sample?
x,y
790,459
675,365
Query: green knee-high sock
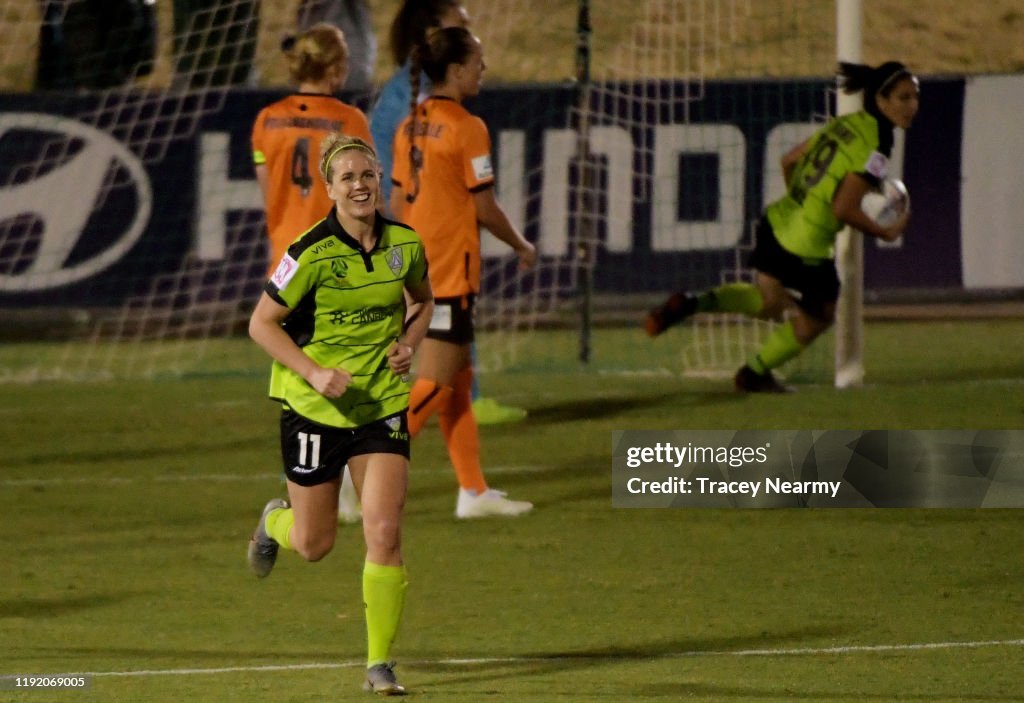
x,y
279,526
780,347
731,297
384,597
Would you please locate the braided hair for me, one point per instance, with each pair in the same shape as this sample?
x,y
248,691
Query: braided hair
x,y
414,19
440,49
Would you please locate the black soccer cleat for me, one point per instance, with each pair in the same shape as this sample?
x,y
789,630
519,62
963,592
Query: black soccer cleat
x,y
749,381
677,308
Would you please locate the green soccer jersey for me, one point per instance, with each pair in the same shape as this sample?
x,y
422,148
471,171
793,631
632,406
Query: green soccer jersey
x,y
347,308
802,220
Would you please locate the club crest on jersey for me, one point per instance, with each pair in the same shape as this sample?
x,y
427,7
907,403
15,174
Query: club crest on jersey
x,y
395,260
339,268
284,272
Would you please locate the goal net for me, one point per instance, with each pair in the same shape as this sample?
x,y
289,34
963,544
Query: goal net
x,y
100,271
689,107
131,228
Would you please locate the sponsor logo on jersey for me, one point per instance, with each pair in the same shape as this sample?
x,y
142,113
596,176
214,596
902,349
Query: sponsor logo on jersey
x,y
285,272
370,315
363,316
394,423
83,190
878,165
323,246
482,167
395,260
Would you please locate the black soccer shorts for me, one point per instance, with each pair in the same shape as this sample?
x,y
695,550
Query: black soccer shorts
x,y
816,282
315,454
453,320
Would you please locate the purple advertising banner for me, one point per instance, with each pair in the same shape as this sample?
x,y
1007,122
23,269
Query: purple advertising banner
x,y
99,211
929,255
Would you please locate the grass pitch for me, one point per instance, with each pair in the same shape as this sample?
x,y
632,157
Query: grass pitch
x,y
126,509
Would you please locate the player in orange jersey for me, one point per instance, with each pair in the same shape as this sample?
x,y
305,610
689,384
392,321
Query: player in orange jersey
x,y
444,189
285,142
412,22
287,134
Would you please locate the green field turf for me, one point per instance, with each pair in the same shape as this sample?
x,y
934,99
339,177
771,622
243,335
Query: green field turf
x,y
125,509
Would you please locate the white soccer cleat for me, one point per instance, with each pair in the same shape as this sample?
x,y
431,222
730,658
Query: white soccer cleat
x,y
490,503
348,501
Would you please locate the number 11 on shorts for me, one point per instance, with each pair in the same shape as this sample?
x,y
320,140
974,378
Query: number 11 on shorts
x,y
307,442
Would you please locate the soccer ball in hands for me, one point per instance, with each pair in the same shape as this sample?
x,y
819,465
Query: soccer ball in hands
x,y
887,203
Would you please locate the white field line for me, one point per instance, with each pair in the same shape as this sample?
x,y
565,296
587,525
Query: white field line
x,y
184,478
117,481
659,371
789,652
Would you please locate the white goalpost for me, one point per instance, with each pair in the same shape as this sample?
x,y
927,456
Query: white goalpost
x,y
849,328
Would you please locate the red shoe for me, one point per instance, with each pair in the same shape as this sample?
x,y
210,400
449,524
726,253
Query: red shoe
x,y
677,308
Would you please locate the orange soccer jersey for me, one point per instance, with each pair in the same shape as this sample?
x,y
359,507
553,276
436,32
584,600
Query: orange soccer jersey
x,y
455,163
286,138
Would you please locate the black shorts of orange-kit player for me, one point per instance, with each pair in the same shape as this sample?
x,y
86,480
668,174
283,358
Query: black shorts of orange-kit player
x,y
453,320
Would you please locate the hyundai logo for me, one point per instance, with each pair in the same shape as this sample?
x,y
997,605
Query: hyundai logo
x,y
73,201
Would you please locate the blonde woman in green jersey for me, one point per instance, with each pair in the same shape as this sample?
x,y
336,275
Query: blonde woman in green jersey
x,y
826,177
334,318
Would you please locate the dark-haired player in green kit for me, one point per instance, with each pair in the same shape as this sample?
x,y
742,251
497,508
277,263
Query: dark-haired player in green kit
x,y
826,176
334,318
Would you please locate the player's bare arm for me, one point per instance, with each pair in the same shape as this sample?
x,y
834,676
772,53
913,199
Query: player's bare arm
x,y
265,329
490,214
263,178
791,158
421,308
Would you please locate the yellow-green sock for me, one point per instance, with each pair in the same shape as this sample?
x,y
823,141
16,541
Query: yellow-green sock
x,y
279,526
384,597
732,297
780,347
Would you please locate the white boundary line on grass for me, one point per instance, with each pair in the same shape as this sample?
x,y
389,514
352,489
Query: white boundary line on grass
x,y
802,651
118,480
182,478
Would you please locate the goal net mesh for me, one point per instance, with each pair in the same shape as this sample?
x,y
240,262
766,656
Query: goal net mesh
x,y
689,108
654,195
